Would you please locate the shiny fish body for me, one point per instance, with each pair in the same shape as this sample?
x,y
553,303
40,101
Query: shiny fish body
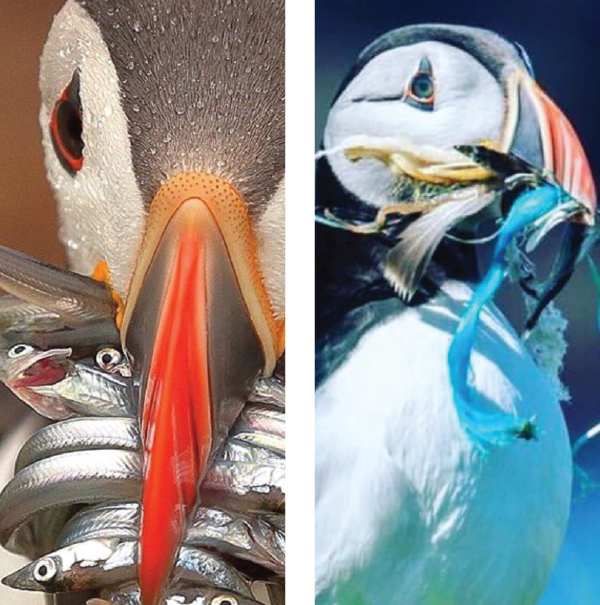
x,y
89,391
246,487
262,418
82,566
203,567
253,450
200,595
115,475
262,426
255,430
16,371
18,315
115,520
236,485
66,293
57,387
95,564
67,479
22,322
79,434
268,390
250,537
98,459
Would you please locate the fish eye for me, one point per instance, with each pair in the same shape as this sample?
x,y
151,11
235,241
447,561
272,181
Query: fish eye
x,y
108,358
20,350
66,128
45,571
224,600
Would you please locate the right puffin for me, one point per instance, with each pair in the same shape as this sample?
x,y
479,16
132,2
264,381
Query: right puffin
x,y
411,509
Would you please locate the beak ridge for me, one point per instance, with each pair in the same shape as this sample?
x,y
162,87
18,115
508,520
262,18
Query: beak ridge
x,y
562,151
199,328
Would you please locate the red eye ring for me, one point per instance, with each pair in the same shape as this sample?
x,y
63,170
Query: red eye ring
x,y
66,128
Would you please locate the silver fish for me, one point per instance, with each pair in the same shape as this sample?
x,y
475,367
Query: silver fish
x,y
254,538
258,436
92,476
262,426
66,479
246,487
71,296
269,390
89,391
16,314
114,520
80,434
100,563
248,537
24,366
86,565
250,450
22,322
200,595
202,567
58,387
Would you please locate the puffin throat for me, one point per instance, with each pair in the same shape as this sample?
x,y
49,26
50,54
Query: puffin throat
x,y
199,329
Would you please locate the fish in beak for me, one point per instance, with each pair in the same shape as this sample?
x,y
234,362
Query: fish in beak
x,y
449,187
199,329
539,132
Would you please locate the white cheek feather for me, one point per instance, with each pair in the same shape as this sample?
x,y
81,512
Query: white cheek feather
x,y
270,233
101,210
469,108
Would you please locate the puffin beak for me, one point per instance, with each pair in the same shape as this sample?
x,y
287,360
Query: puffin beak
x,y
549,142
199,328
539,133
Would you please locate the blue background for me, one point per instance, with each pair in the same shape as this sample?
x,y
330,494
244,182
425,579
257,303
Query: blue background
x,y
563,41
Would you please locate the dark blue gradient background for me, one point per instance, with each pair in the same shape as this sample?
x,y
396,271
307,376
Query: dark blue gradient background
x,y
563,41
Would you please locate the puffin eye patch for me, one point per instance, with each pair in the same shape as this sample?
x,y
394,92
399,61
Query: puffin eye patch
x,y
66,128
421,89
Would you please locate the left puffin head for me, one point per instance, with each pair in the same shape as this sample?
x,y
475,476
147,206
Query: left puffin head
x,y
163,127
441,86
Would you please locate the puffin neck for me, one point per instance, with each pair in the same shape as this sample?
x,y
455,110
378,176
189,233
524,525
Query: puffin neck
x,y
348,270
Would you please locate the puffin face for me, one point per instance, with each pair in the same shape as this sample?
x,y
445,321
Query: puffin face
x,y
163,126
423,92
438,86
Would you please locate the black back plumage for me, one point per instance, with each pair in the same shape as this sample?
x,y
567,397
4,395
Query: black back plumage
x,y
349,277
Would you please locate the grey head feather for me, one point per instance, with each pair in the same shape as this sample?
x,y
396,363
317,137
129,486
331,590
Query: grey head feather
x,y
499,56
203,88
495,52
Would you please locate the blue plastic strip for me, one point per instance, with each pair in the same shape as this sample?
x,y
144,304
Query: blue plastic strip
x,y
485,428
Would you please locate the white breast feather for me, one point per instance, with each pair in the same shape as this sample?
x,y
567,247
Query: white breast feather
x,y
407,512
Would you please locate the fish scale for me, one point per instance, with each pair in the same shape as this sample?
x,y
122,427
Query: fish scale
x,y
248,474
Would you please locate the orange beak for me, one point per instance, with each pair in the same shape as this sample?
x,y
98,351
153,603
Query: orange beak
x,y
199,328
538,132
549,142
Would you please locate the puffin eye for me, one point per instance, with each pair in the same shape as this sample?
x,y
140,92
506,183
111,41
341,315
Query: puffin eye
x,y
66,128
108,358
19,351
421,89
